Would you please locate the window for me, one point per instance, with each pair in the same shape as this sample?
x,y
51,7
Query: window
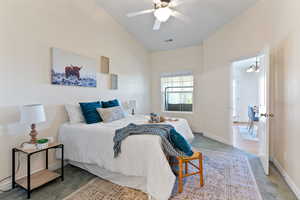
x,y
177,92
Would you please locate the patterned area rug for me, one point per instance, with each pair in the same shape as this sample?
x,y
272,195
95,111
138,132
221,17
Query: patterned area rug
x,y
227,177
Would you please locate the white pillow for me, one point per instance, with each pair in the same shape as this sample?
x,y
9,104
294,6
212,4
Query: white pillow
x,y
74,113
111,114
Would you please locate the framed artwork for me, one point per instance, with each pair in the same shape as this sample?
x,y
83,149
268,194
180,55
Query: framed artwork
x,y
73,70
104,65
114,81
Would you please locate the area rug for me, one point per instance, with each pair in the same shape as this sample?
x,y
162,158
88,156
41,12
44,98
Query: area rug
x,y
227,177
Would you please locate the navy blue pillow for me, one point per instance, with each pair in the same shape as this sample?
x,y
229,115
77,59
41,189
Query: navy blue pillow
x,y
111,103
90,113
180,142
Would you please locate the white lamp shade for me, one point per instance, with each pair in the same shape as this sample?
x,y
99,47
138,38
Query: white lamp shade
x,y
32,114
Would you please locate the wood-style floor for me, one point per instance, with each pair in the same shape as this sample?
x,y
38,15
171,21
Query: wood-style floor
x,y
250,146
272,187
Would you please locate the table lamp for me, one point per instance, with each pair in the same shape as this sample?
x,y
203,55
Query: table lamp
x,y
132,105
33,114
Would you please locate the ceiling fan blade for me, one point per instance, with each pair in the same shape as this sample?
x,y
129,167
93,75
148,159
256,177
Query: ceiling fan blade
x,y
176,3
180,16
140,13
156,25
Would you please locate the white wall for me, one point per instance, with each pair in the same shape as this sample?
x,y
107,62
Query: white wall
x,y
274,23
186,59
269,22
28,30
207,97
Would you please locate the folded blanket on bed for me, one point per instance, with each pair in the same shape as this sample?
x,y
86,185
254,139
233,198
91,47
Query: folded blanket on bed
x,y
167,133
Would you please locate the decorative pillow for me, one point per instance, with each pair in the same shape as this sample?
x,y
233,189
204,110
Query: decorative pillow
x,y
111,103
181,143
111,114
90,113
74,113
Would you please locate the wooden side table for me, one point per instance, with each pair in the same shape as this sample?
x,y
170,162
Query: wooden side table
x,y
33,181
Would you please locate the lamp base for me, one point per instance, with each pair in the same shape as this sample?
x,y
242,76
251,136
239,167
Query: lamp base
x,y
33,134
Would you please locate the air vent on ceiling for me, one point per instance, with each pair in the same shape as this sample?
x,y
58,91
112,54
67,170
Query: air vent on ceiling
x,y
169,40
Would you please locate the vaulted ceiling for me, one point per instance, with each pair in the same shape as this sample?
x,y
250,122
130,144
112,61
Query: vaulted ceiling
x,y
204,18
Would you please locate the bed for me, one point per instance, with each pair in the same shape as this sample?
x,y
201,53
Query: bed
x,y
142,163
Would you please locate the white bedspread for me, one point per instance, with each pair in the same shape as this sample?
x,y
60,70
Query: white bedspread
x,y
141,155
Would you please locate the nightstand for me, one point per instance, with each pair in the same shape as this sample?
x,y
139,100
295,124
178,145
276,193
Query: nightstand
x,y
33,181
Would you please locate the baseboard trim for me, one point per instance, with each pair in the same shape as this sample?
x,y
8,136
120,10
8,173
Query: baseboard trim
x,y
217,138
6,185
198,133
287,178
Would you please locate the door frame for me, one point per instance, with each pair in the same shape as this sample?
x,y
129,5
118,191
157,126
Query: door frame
x,y
265,50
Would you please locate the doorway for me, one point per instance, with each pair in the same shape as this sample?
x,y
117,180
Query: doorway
x,y
246,75
251,106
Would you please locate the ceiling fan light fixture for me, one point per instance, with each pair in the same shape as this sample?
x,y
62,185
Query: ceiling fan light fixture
x,y
163,14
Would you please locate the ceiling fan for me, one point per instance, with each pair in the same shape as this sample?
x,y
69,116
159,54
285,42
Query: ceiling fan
x,y
163,10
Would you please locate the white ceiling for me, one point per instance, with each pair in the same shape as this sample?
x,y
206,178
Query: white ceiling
x,y
205,17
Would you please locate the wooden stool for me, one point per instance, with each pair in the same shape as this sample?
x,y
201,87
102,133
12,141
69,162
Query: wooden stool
x,y
187,160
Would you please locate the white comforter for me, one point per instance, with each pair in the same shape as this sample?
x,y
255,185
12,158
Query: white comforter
x,y
141,155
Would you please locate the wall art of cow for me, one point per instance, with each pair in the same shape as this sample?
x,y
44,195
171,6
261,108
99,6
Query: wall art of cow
x,y
72,71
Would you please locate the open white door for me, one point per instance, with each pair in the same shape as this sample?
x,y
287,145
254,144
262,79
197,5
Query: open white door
x,y
264,109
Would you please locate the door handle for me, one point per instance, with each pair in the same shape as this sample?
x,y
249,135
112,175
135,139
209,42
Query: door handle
x,y
271,115
263,114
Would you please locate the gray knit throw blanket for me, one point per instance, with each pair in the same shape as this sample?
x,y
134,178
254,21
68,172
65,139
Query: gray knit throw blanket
x,y
162,130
